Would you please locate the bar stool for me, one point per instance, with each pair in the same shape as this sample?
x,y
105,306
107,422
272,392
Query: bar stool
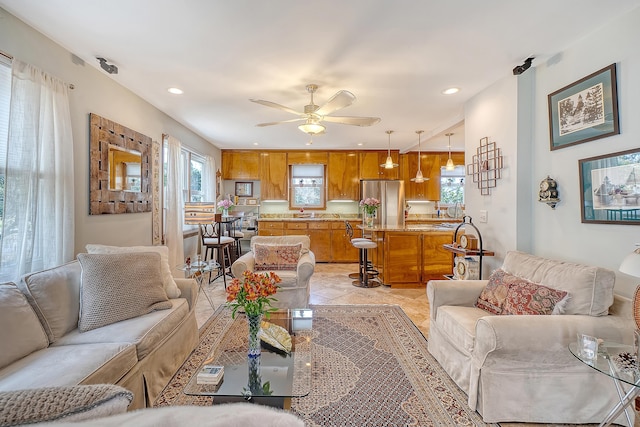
x,y
367,278
349,232
213,241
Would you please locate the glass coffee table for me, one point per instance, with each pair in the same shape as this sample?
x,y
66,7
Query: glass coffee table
x,y
618,361
271,380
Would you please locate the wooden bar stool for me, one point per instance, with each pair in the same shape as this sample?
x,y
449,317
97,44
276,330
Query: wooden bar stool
x,y
219,245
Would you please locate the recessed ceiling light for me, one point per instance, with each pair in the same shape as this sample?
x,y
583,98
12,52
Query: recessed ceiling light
x,y
255,143
309,143
360,144
451,91
175,91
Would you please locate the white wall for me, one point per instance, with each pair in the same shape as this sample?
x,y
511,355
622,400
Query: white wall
x,y
558,233
96,92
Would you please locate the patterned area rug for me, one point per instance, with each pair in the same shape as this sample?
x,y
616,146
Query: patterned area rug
x,y
371,367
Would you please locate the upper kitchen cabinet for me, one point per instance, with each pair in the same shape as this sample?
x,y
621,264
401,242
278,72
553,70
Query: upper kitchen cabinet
x,y
241,165
343,183
307,157
274,176
370,162
430,167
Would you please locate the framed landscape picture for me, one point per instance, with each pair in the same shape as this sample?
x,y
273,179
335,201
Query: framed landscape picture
x,y
610,188
244,189
584,110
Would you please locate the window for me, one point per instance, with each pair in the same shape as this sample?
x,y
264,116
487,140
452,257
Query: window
x,y
307,186
452,186
5,98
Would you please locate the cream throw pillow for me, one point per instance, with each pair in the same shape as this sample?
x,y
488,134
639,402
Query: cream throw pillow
x,y
21,332
170,286
117,287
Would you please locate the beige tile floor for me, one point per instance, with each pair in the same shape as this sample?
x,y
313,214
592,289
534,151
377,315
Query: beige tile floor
x,y
330,285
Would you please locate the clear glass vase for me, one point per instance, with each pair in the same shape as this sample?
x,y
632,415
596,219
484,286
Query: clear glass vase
x,y
369,219
254,340
225,212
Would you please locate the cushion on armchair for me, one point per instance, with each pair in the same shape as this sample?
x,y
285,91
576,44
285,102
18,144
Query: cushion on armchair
x,y
277,257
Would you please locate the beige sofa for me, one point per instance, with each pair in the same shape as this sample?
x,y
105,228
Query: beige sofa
x,y
518,368
44,347
294,288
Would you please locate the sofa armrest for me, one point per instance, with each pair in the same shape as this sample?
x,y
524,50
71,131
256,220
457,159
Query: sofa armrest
x,y
188,290
245,262
453,292
306,266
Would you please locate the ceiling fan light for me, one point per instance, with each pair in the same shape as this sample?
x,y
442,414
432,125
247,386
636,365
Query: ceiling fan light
x,y
312,128
450,166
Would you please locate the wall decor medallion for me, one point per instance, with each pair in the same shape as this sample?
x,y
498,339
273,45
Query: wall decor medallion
x,y
610,188
486,166
120,168
549,192
584,110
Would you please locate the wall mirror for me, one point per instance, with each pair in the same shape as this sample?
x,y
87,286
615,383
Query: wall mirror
x,y
120,171
125,169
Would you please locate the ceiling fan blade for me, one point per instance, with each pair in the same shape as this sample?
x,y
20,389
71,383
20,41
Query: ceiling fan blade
x,y
278,106
355,121
342,99
277,123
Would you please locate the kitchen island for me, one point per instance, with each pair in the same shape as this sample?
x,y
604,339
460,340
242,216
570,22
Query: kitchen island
x,y
412,255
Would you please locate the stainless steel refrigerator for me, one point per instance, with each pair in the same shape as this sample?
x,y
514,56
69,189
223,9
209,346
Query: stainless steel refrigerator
x,y
391,196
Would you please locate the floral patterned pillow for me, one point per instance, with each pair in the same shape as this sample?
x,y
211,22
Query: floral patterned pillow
x,y
531,298
494,294
276,257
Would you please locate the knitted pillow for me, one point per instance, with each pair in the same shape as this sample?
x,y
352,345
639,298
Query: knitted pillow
x,y
493,295
169,283
72,403
531,298
276,257
117,287
636,307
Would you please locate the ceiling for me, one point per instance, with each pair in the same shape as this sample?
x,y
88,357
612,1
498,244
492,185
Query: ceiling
x,y
396,57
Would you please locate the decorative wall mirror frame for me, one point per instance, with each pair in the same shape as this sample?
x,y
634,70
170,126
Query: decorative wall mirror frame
x,y
107,138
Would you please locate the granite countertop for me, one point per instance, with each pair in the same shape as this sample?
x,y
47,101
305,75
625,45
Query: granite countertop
x,y
415,227
416,221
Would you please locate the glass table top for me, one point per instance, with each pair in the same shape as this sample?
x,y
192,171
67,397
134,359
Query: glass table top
x,y
275,374
613,359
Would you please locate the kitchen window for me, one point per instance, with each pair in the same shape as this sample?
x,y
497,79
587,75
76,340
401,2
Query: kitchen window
x,y
307,187
452,186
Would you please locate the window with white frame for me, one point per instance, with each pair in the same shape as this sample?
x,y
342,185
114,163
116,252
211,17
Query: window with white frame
x,y
191,182
452,186
307,186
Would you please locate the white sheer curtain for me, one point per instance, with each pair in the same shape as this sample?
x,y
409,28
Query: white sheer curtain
x,y
175,205
209,179
38,226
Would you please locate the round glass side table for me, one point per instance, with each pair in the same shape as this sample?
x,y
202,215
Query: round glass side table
x,y
197,271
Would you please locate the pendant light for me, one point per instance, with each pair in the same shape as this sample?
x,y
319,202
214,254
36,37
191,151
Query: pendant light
x,y
388,164
419,179
450,166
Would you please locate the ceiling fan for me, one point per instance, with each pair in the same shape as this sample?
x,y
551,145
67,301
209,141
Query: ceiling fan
x,y
313,114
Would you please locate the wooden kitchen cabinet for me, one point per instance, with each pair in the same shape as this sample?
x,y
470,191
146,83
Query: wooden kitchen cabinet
x,y
341,248
320,236
298,228
370,161
403,251
274,176
270,228
430,167
240,165
343,183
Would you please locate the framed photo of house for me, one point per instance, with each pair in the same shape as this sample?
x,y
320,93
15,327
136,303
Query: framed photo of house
x,y
584,110
610,188
244,189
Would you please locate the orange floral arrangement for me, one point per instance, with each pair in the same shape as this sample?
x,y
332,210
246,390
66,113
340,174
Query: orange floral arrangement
x,y
253,292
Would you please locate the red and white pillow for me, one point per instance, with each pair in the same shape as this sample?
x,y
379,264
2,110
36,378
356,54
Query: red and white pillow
x,y
276,257
506,294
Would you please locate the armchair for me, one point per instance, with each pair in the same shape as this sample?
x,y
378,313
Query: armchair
x,y
518,368
294,288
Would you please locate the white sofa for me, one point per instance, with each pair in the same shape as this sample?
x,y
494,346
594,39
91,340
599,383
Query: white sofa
x,y
294,288
518,368
44,347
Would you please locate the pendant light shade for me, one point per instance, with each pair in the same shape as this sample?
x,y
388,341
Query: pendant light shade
x,y
450,166
419,179
388,164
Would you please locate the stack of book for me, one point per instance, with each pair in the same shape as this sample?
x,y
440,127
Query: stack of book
x,y
210,374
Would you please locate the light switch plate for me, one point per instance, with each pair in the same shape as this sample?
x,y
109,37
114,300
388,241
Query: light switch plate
x,y
483,216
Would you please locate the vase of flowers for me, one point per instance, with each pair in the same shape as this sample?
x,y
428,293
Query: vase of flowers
x,y
253,293
369,207
224,205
